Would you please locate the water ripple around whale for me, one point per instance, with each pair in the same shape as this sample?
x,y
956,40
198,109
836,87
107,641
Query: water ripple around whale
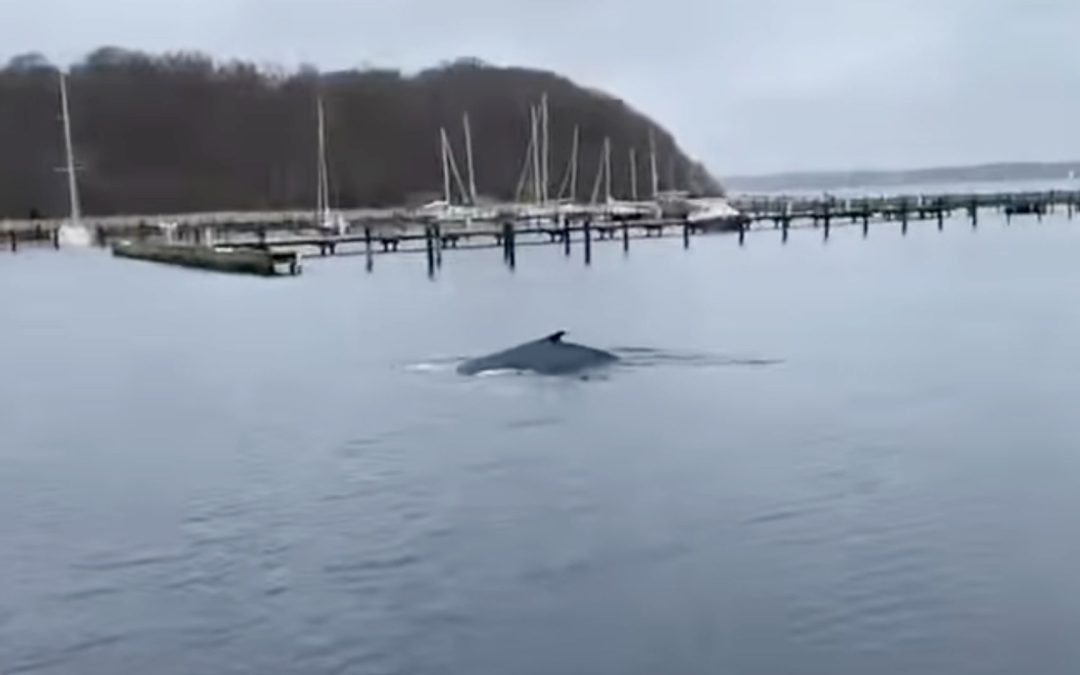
x,y
650,356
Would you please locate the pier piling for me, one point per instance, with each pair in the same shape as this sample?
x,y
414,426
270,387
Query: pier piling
x,y
625,237
429,243
437,232
686,235
511,247
368,258
566,235
587,231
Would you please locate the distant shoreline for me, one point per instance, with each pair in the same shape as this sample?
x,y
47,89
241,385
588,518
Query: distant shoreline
x,y
832,180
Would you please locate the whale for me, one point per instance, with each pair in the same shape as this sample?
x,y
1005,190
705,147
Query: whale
x,y
549,355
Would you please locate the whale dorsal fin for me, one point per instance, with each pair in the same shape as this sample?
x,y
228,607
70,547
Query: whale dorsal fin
x,y
556,337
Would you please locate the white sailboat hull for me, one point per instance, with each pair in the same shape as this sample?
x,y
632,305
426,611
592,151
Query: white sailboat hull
x,y
75,235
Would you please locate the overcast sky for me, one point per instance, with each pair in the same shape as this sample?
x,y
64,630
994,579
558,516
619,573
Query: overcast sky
x,y
747,86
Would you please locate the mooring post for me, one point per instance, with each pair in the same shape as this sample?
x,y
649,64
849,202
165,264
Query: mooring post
x,y
742,232
56,238
368,258
686,233
437,232
566,234
625,237
511,250
825,235
785,223
587,231
940,216
14,241
429,245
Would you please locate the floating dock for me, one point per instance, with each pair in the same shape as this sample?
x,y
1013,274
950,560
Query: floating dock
x,y
261,262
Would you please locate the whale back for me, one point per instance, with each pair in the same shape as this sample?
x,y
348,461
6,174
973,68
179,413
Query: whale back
x,y
550,355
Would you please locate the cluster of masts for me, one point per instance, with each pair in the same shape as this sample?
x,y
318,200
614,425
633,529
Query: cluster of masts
x,y
533,187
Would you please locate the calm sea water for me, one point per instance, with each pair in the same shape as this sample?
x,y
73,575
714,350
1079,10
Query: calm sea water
x,y
844,458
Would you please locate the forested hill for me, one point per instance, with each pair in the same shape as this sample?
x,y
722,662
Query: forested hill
x,y
180,132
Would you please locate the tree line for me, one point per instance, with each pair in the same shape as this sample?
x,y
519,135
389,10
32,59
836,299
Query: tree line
x,y
181,132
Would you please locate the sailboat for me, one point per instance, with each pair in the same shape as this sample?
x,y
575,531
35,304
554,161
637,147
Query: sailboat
x,y
326,219
446,210
72,232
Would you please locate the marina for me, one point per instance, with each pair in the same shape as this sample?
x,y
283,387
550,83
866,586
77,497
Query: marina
x,y
217,241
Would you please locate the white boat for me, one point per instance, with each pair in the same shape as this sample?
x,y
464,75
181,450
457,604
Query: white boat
x,y
713,213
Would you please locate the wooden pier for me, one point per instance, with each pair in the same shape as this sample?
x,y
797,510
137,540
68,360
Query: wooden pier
x,y
279,240
822,210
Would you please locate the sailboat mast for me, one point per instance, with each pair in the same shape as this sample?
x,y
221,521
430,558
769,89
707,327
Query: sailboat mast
x,y
652,165
535,119
73,184
595,196
469,157
633,174
445,152
574,163
322,204
519,192
546,147
607,170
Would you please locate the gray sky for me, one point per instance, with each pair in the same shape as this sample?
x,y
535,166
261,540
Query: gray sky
x,y
746,85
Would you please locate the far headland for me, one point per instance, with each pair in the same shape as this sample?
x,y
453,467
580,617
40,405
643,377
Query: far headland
x,y
834,180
